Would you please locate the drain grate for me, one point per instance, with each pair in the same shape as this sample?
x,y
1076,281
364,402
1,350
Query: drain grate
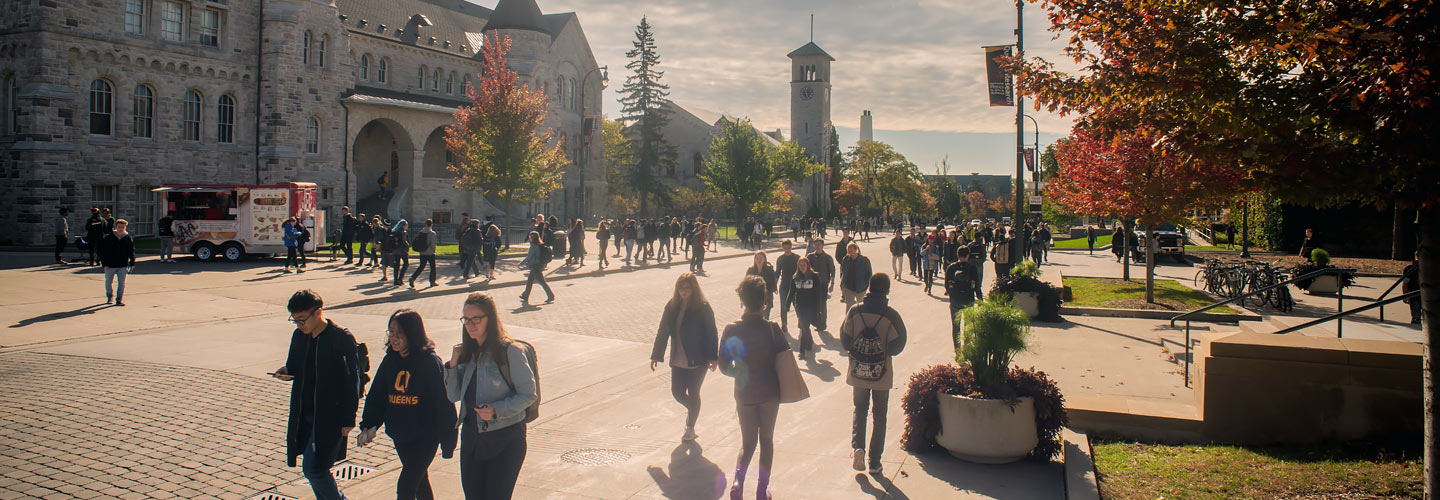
x,y
270,495
350,472
595,456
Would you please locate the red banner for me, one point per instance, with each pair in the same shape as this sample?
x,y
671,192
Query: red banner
x,y
1002,91
1030,159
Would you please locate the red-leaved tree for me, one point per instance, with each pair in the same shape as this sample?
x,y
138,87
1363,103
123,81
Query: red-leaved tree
x,y
1129,178
849,197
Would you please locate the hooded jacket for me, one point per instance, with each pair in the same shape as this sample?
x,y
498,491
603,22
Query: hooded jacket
x,y
408,396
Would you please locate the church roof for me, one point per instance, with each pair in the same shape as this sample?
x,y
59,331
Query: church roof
x,y
715,119
518,15
810,49
450,21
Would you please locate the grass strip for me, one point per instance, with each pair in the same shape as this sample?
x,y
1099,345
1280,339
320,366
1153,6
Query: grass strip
x,y
1115,293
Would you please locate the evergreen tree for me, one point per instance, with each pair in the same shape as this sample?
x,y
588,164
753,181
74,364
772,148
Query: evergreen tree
x,y
644,108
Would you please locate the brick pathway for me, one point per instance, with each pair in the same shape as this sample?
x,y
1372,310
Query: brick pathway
x,y
73,427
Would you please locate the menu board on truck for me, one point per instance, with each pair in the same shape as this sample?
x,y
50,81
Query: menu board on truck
x,y
268,210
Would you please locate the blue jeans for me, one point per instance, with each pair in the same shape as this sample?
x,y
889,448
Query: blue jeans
x,y
317,471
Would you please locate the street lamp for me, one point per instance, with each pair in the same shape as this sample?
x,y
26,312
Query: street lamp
x,y
1037,153
584,136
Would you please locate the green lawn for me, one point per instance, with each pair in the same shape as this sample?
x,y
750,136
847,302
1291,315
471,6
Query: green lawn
x,y
1100,241
1170,295
1142,471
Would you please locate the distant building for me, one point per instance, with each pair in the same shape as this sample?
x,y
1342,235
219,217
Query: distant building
x,y
993,186
867,127
691,129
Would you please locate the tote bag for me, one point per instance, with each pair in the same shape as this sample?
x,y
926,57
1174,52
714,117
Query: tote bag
x,y
792,383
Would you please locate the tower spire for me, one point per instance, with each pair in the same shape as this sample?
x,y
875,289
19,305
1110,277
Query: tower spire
x,y
812,27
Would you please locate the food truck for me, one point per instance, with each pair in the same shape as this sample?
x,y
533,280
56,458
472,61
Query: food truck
x,y
233,220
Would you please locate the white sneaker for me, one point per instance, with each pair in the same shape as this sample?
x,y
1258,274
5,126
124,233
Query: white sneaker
x,y
875,470
689,435
858,460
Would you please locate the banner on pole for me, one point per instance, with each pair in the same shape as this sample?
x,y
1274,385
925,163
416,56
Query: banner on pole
x,y
1002,90
1030,159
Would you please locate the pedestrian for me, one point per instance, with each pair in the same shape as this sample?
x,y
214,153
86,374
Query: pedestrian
x,y
688,327
117,255
94,232
785,266
1412,283
365,234
962,284
1118,242
748,350
807,292
535,261
409,399
617,232
977,259
325,368
1310,243
62,234
464,251
712,235
1090,238
872,334
425,241
824,266
602,236
492,379
1003,254
1037,244
697,247
930,260
347,234
1044,242
844,244
913,244
383,183
855,271
630,233
379,252
761,267
577,242
291,239
898,249
400,249
491,247
302,238
663,230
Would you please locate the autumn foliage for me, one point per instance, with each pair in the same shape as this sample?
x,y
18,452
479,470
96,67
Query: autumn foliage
x,y
1127,177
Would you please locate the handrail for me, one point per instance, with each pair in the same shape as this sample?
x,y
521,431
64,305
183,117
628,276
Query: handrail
x,y
1392,288
1317,272
1381,304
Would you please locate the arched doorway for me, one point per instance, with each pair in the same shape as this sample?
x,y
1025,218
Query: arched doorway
x,y
381,148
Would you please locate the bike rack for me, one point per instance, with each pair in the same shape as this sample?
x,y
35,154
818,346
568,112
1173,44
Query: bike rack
x,y
1186,316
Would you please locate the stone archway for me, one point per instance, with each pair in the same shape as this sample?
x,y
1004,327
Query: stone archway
x,y
382,147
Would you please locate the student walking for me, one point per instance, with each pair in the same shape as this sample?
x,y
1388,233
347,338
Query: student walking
x,y
873,334
898,249
824,266
491,377
929,261
747,352
165,229
347,234
602,236
302,237
409,399
425,241
688,327
400,249
94,232
1090,238
291,239
761,267
62,234
629,234
785,266
379,247
577,243
491,248
324,365
855,274
535,261
962,285
365,234
806,293
117,255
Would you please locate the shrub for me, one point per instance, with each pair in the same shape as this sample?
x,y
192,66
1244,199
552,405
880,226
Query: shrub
x,y
994,332
922,405
1024,277
1320,257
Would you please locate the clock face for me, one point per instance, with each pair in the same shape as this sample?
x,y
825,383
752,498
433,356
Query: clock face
x,y
806,93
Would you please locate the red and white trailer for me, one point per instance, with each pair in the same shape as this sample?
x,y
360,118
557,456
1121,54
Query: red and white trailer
x,y
232,220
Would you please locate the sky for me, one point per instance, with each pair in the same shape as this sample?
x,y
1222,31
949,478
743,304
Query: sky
x,y
917,65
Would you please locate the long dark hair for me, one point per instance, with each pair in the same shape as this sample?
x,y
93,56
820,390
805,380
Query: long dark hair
x,y
414,329
697,297
495,337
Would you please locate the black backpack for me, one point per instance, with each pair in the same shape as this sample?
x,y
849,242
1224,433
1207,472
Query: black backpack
x,y
422,242
546,254
868,353
532,412
362,352
304,236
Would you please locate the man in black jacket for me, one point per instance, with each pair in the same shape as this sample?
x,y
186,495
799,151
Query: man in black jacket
x,y
962,284
347,234
326,367
824,266
94,231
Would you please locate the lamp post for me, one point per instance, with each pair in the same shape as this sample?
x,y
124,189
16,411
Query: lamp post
x,y
1019,122
584,138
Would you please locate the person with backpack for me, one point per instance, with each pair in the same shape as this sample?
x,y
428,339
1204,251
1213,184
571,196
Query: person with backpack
x,y
929,261
872,334
602,237
535,261
748,350
409,399
400,249
491,249
1003,254
962,285
327,370
688,327
379,255
365,234
496,381
291,239
301,238
558,242
425,240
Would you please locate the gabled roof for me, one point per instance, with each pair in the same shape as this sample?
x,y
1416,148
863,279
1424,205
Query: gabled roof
x,y
450,21
518,15
809,49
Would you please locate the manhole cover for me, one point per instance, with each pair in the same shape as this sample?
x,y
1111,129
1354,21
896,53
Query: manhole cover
x,y
271,496
595,456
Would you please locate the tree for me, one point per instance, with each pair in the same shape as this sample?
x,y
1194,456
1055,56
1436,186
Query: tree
x,y
837,162
619,155
978,206
495,141
1129,178
697,202
849,197
748,172
1317,103
644,108
885,174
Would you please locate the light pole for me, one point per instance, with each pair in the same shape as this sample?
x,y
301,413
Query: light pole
x,y
584,137
1019,122
1037,153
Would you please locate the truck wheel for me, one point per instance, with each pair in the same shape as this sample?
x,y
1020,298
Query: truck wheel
x,y
233,252
204,251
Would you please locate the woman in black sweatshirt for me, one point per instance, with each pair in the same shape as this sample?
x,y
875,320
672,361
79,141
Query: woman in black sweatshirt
x,y
690,323
806,293
408,396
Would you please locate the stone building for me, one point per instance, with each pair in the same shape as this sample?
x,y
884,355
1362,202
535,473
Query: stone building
x,y
690,130
102,100
810,123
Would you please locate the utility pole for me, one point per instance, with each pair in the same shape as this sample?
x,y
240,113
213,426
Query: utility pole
x,y
1019,119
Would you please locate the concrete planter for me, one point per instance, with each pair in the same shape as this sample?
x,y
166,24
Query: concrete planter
x,y
1029,303
987,431
1325,284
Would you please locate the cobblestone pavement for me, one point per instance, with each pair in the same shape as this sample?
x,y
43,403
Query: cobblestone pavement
x,y
77,427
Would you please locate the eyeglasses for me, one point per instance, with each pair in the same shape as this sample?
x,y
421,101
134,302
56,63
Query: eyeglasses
x,y
301,321
473,320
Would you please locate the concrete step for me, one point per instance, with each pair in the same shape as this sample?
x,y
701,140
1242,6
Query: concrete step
x,y
1353,327
1135,418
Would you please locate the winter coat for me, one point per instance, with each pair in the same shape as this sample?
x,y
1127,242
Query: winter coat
x,y
697,334
117,251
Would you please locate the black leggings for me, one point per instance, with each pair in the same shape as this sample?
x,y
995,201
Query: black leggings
x,y
757,426
492,478
290,257
415,458
419,268
401,262
685,386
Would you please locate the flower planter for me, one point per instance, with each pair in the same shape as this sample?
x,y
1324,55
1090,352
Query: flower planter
x,y
1029,303
987,431
1325,284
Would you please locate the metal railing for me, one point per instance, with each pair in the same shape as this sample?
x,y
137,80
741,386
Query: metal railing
x,y
1338,315
1392,288
1186,316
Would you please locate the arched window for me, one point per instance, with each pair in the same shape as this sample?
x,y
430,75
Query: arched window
x,y
435,81
225,120
572,94
312,136
560,90
365,67
143,109
381,74
305,49
191,124
101,104
420,76
450,83
465,87
12,104
324,40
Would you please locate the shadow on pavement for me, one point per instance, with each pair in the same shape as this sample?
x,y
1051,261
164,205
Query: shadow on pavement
x,y
690,475
90,309
1070,324
822,369
889,490
1015,480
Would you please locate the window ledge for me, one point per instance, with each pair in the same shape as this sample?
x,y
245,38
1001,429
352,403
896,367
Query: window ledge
x,y
104,139
193,145
229,146
143,142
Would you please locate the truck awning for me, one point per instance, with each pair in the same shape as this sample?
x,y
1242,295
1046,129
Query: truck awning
x,y
192,190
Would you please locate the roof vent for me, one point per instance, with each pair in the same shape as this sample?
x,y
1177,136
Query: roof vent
x,y
381,30
344,17
447,44
432,40
361,24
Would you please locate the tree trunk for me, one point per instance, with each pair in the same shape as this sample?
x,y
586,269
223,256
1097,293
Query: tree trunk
x,y
1430,313
1402,234
1150,263
506,232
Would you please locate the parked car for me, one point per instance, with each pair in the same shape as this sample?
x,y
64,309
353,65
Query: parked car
x,y
1170,242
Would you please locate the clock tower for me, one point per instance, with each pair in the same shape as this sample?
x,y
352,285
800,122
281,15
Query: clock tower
x,y
810,117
